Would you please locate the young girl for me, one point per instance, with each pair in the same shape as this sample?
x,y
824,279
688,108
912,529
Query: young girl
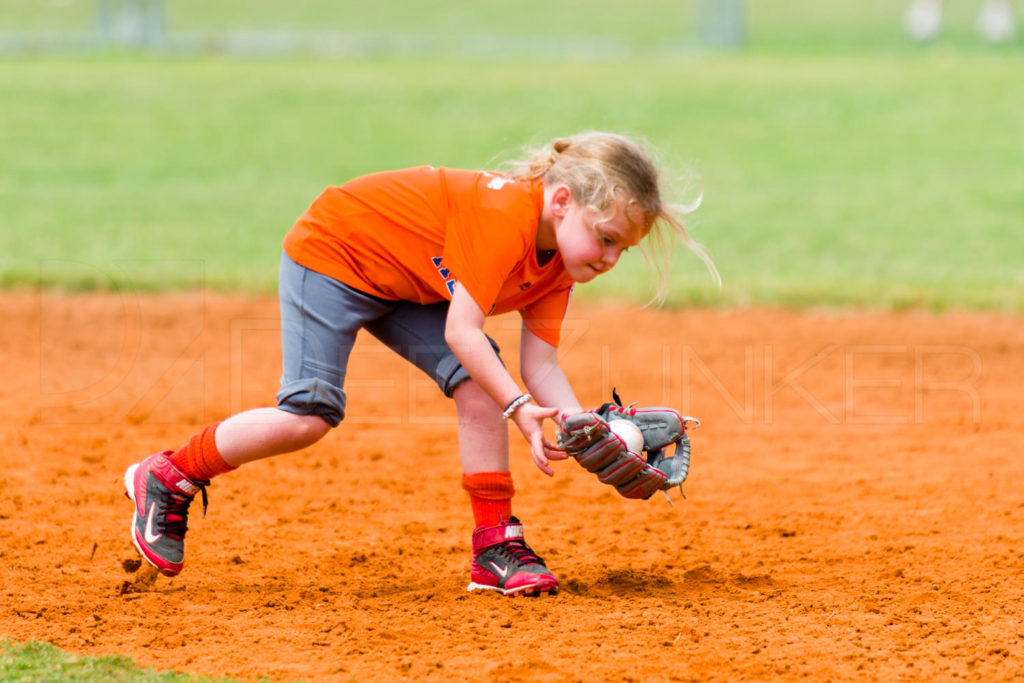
x,y
419,258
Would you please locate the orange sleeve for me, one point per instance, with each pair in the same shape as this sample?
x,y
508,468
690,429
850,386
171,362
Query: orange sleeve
x,y
544,317
486,241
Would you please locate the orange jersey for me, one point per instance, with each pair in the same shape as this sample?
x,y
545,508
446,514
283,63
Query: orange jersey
x,y
412,234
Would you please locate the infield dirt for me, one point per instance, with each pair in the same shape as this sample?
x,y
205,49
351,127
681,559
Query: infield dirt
x,y
854,508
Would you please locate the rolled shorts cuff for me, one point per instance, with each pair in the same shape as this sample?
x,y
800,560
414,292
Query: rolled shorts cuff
x,y
450,373
313,396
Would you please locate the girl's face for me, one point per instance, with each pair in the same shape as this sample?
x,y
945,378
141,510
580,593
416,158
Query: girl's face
x,y
591,244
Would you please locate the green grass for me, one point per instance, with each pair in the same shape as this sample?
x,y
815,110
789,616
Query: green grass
x,y
36,662
880,181
842,163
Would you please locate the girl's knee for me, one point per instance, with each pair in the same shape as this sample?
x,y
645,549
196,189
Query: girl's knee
x,y
305,430
472,400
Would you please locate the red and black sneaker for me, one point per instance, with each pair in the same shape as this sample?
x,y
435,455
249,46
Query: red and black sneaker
x,y
503,562
162,495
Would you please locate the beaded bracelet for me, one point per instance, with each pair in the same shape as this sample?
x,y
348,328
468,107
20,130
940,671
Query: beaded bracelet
x,y
514,405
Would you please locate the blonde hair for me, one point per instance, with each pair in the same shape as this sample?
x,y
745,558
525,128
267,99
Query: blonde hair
x,y
605,172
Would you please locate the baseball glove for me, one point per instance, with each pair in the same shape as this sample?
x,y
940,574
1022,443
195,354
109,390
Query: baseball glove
x,y
586,437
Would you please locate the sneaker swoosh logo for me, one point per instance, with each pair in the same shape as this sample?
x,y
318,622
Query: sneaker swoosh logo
x,y
499,570
148,533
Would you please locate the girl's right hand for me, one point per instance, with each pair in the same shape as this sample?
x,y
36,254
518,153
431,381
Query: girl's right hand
x,y
530,420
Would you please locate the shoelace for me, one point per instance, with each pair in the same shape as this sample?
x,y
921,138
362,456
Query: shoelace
x,y
175,512
520,553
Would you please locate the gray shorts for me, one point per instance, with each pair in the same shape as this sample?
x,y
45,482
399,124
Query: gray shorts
x,y
320,317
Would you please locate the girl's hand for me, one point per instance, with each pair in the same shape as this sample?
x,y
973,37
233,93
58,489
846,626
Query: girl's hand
x,y
530,420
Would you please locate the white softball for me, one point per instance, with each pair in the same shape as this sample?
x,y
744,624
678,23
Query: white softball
x,y
628,432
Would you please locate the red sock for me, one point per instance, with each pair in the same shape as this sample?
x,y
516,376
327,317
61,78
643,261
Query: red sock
x,y
490,494
199,459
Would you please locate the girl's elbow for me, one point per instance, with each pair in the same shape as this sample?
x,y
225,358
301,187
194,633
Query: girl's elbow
x,y
454,335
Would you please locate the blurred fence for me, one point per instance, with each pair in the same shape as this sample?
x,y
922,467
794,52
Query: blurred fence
x,y
542,28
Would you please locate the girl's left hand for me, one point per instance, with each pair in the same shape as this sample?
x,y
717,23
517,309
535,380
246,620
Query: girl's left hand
x,y
530,420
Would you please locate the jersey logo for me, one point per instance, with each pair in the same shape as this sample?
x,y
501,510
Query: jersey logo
x,y
497,183
445,274
525,286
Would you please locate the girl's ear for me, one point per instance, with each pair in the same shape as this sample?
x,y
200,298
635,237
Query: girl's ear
x,y
561,199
